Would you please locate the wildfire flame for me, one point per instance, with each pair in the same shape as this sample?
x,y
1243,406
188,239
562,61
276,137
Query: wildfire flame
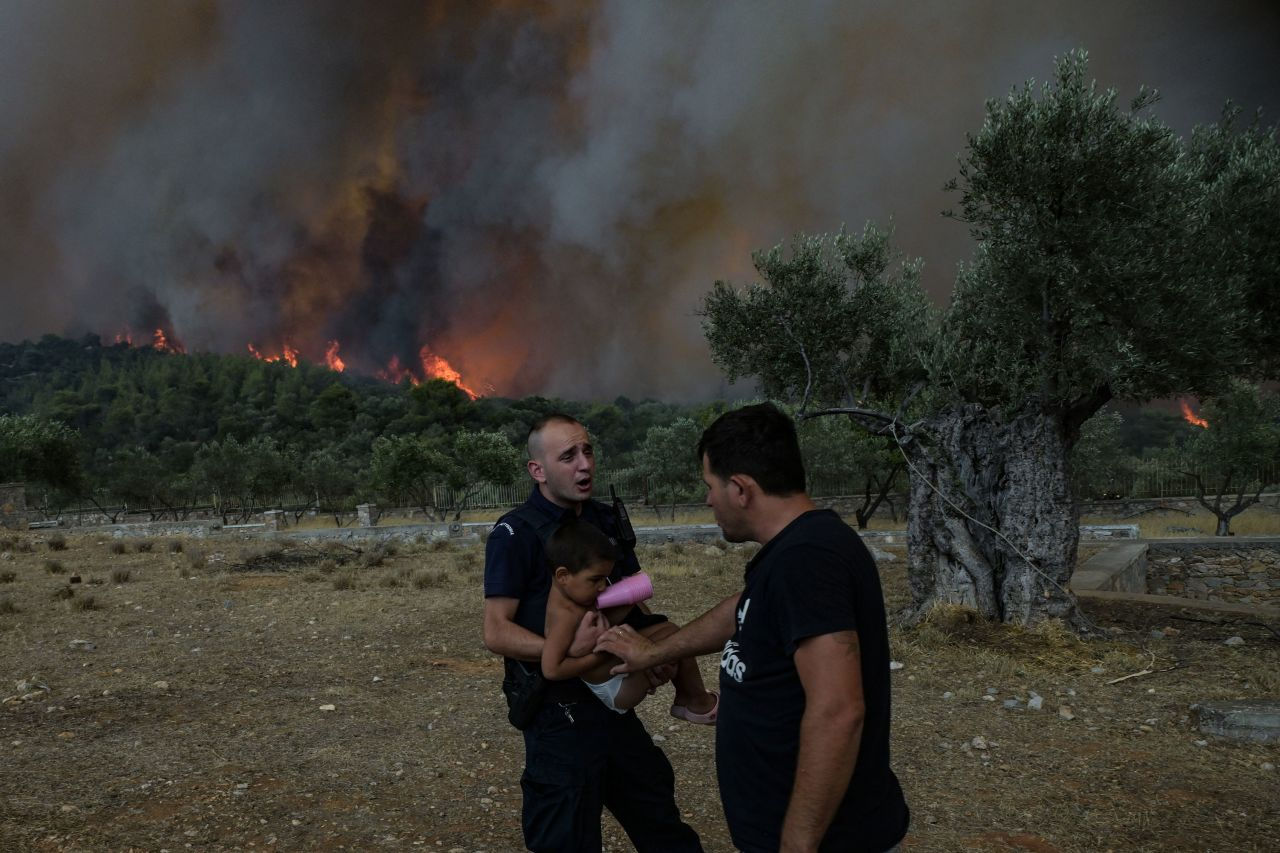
x,y
433,367
331,358
163,344
1191,417
289,355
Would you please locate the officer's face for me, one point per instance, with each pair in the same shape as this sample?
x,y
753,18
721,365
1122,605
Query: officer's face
x,y
564,463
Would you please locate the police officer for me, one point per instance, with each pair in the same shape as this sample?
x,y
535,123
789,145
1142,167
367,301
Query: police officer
x,y
580,756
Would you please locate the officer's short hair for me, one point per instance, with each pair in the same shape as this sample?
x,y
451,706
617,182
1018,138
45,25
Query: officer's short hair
x,y
541,423
578,545
759,441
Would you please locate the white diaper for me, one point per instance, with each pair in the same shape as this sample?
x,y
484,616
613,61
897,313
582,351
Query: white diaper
x,y
607,691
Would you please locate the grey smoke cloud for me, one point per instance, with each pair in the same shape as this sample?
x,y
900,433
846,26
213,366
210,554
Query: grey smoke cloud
x,y
540,193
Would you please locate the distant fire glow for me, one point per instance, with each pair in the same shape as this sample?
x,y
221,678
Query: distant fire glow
x,y
331,359
1191,417
288,355
432,366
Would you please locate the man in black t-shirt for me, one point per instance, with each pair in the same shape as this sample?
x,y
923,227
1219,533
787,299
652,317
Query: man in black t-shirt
x,y
802,741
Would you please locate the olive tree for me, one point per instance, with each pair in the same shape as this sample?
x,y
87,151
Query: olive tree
x,y
1112,260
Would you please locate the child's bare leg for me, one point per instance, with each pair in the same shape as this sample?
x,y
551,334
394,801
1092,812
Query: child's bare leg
x,y
691,692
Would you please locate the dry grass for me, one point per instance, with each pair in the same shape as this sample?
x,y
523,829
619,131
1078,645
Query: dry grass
x,y
120,575
1258,520
8,577
418,736
57,542
54,567
7,607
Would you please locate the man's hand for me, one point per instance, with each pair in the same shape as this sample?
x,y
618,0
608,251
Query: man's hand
x,y
635,649
660,675
588,632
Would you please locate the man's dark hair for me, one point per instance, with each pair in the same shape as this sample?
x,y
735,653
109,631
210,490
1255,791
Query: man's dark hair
x,y
759,441
540,423
577,545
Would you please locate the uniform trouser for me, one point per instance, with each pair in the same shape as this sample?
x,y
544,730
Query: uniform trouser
x,y
582,757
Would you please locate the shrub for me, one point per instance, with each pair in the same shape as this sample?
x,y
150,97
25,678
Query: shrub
x,y
7,542
119,575
195,559
7,606
119,548
346,580
82,603
372,559
63,592
8,577
175,546
184,572
390,549
441,545
53,567
389,581
327,567
24,547
144,546
430,580
57,542
312,577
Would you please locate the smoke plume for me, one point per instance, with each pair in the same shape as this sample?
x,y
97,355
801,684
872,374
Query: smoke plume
x,y
539,193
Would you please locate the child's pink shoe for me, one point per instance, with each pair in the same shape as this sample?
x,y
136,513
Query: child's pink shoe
x,y
680,712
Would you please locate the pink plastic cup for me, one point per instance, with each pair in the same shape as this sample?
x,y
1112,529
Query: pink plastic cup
x,y
630,590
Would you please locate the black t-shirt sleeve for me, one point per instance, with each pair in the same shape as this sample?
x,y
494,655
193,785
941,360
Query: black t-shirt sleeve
x,y
812,593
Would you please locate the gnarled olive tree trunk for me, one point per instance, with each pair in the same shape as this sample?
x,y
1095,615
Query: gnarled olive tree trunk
x,y
1008,474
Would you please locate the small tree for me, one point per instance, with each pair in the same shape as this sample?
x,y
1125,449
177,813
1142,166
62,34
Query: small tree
x,y
1237,456
412,468
35,450
837,447
666,458
481,458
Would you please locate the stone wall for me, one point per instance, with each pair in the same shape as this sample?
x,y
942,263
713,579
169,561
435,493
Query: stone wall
x,y
1240,570
13,506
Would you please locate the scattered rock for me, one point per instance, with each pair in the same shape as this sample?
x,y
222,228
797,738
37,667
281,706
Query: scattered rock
x,y
328,708
1036,702
948,695
893,665
659,739
979,742
1234,641
1097,670
1012,704
1065,712
1201,742
160,685
83,645
1268,766
989,698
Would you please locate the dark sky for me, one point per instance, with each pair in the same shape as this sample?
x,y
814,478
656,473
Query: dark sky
x,y
540,193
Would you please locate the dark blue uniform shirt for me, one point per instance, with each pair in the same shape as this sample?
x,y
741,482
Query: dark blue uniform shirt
x,y
515,565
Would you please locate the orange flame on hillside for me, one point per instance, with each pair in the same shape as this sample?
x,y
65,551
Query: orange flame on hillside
x,y
1191,417
289,356
433,367
331,358
161,342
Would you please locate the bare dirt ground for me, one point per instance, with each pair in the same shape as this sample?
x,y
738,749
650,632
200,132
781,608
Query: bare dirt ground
x,y
247,696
